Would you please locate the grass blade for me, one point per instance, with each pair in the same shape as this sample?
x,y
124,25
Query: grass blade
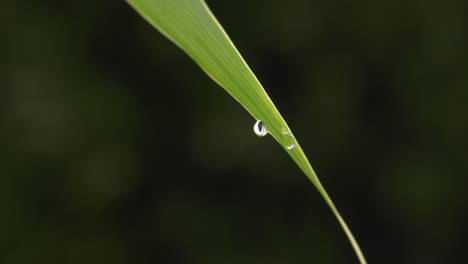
x,y
191,26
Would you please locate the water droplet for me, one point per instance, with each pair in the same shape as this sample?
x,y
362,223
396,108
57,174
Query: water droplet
x,y
285,130
260,129
292,143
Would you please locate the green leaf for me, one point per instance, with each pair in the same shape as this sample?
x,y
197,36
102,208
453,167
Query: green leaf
x,y
191,26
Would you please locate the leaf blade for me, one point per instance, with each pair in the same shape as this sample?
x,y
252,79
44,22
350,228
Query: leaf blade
x,y
191,26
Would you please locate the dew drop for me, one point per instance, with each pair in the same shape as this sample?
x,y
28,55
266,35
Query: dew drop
x,y
285,130
292,143
260,129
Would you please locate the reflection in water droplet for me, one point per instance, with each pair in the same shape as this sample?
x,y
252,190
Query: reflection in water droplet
x,y
285,130
260,129
291,146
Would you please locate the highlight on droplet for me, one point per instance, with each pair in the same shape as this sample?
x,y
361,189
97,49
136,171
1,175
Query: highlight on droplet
x,y
291,146
285,130
260,129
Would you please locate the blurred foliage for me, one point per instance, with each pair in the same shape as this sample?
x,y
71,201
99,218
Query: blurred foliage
x,y
108,156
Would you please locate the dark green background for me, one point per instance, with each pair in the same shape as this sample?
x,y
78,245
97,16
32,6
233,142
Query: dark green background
x,y
116,148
